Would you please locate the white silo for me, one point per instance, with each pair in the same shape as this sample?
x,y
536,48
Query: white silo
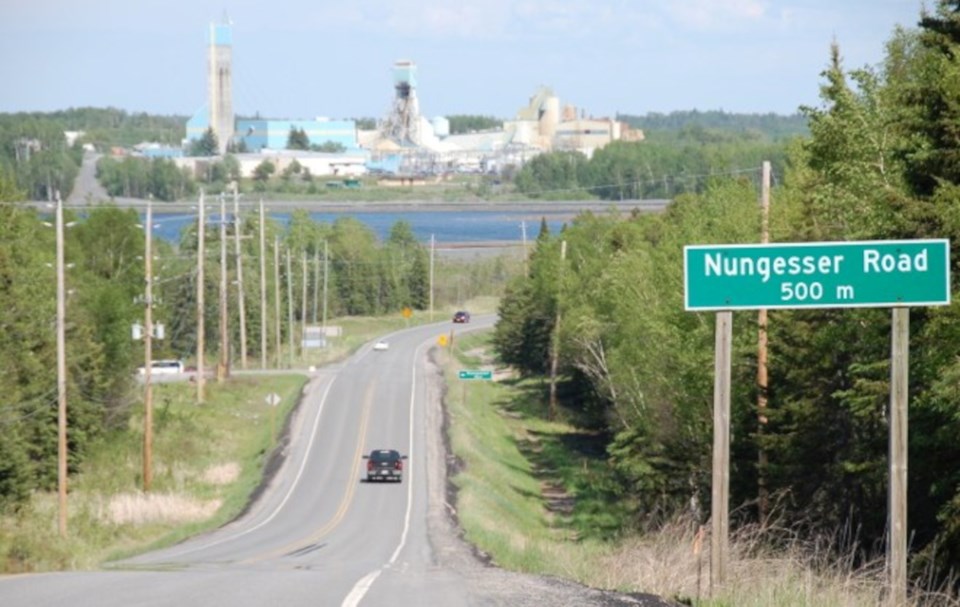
x,y
441,126
549,117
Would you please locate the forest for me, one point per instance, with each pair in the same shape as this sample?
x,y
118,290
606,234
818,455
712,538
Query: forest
x,y
881,162
104,250
672,159
877,159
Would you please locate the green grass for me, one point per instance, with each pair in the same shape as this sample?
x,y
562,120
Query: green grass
x,y
536,496
533,494
207,460
501,501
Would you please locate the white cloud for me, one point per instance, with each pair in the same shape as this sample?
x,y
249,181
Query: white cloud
x,y
715,14
485,20
446,18
432,18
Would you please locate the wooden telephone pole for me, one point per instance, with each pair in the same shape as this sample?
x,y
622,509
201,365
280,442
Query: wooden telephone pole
x,y
762,379
526,262
326,271
201,254
223,367
316,283
555,338
290,310
263,290
433,248
276,295
148,355
61,376
303,305
241,307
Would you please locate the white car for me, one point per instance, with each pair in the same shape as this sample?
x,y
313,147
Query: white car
x,y
163,367
381,346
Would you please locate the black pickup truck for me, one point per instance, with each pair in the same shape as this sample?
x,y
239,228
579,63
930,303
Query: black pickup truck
x,y
385,465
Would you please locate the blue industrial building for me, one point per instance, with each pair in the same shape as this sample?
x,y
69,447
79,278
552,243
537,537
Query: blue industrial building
x,y
198,124
259,134
273,134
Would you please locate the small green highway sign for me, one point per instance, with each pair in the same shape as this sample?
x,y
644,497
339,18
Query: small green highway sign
x,y
865,274
475,374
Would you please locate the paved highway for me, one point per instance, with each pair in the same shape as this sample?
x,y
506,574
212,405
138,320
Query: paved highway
x,y
320,534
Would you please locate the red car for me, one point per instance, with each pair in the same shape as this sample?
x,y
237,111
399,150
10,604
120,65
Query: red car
x,y
461,317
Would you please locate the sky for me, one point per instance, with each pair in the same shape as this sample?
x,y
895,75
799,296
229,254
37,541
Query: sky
x,y
302,59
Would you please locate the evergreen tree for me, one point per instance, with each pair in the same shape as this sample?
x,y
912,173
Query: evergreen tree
x,y
207,145
8,187
418,281
930,98
297,139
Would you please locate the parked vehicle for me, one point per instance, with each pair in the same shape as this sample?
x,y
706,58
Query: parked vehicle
x,y
163,367
385,465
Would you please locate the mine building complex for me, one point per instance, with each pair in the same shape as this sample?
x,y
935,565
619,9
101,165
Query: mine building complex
x,y
404,141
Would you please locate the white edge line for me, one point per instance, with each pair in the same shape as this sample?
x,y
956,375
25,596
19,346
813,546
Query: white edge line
x,y
361,588
286,498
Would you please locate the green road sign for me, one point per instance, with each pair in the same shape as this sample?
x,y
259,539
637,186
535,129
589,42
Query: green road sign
x,y
475,374
817,275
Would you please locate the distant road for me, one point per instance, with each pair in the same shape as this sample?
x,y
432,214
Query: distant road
x,y
86,188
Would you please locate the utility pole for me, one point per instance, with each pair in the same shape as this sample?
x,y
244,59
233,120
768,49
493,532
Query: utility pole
x,y
276,293
555,341
762,380
241,307
148,355
523,232
433,248
303,307
290,309
223,369
326,272
61,375
316,281
201,257
263,290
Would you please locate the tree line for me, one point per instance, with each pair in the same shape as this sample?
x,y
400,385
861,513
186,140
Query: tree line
x,y
35,155
644,170
880,163
104,251
672,160
692,124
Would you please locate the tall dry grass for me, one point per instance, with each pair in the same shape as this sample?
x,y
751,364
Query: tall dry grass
x,y
148,508
504,512
767,566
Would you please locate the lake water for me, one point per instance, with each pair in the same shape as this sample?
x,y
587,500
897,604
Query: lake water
x,y
444,226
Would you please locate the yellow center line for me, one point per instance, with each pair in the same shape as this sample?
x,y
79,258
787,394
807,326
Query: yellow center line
x,y
345,502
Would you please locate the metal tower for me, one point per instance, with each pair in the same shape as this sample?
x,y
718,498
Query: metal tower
x,y
220,81
402,124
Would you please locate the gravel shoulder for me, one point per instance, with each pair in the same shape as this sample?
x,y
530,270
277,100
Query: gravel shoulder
x,y
489,584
